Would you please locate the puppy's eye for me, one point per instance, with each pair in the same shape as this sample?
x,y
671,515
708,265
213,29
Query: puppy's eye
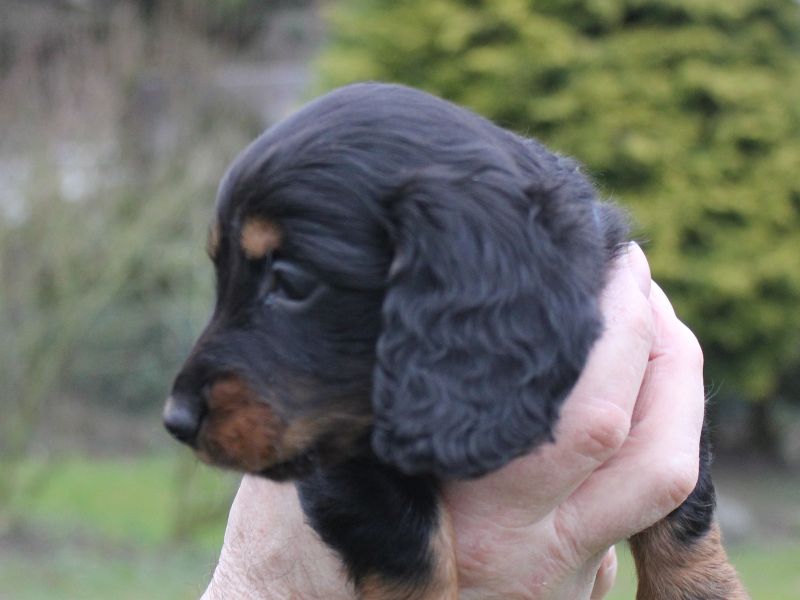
x,y
291,282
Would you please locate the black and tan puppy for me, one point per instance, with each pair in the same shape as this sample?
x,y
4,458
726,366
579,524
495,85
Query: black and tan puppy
x,y
405,293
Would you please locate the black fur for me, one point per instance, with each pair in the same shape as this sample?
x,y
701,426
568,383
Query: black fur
x,y
378,520
494,254
488,308
455,269
692,519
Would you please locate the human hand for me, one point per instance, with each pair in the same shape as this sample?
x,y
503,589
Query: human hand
x,y
626,455
270,552
540,528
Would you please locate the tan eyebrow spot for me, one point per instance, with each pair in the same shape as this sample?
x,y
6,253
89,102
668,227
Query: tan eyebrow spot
x,y
259,237
212,244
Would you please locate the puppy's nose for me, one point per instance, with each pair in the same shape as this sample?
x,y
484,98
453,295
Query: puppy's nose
x,y
182,417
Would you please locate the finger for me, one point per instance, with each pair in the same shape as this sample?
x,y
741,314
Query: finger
x,y
616,364
270,549
639,266
656,468
259,504
594,420
606,575
659,299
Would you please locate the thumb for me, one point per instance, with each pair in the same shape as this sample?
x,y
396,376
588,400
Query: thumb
x,y
606,575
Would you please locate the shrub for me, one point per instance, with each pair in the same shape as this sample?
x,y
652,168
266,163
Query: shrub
x,y
686,111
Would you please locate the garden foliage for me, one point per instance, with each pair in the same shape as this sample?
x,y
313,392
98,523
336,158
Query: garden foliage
x,y
686,111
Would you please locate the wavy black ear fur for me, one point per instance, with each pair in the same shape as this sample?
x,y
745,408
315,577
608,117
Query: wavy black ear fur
x,y
490,312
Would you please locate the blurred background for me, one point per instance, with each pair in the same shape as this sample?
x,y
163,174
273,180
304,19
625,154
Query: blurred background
x,y
118,117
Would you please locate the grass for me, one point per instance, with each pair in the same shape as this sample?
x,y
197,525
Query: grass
x,y
102,573
94,574
148,527
119,528
144,501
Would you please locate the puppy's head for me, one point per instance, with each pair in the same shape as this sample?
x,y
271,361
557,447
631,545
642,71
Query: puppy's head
x,y
392,271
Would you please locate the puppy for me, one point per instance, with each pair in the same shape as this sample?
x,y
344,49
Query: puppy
x,y
404,293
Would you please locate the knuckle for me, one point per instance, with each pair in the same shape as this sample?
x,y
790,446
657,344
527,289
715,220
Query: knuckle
x,y
604,432
476,555
567,550
690,347
677,478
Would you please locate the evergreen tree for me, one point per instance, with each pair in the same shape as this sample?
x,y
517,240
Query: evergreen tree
x,y
686,111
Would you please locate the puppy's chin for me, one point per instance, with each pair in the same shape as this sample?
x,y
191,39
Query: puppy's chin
x,y
296,467
329,448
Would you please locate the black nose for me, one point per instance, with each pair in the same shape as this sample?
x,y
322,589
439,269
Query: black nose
x,y
182,417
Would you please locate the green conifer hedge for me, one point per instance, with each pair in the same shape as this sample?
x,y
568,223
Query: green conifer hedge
x,y
686,111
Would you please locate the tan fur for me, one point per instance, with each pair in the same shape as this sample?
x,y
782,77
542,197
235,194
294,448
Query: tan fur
x,y
242,432
444,555
259,237
240,429
375,588
443,584
671,570
340,430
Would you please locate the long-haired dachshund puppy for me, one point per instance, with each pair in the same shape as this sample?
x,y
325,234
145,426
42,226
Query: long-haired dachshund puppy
x,y
404,293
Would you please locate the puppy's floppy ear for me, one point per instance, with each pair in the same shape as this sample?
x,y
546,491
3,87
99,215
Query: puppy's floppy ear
x,y
490,312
